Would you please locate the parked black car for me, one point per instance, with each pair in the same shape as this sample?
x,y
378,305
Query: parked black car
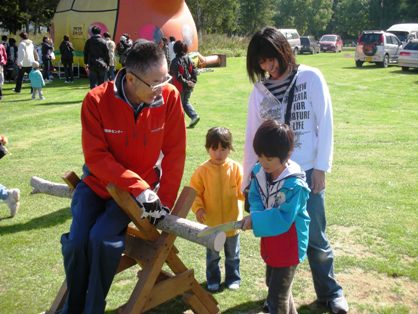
x,y
309,44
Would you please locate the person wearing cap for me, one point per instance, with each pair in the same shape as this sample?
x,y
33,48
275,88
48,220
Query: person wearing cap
x,y
127,124
96,57
123,46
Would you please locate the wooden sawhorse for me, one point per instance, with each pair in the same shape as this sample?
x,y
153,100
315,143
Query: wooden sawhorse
x,y
149,248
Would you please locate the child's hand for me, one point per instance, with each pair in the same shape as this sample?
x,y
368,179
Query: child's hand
x,y
201,215
247,223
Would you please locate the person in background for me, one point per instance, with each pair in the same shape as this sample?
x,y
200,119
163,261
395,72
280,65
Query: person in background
x,y
10,196
126,124
297,95
36,81
184,78
96,57
47,49
171,53
125,43
26,54
277,197
11,67
164,46
66,50
3,62
112,47
219,203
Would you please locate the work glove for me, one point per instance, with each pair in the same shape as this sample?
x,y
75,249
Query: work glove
x,y
151,206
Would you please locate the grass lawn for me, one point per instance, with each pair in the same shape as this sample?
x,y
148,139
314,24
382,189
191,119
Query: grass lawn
x,y
371,193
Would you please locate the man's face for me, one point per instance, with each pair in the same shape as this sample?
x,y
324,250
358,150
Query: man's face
x,y
146,87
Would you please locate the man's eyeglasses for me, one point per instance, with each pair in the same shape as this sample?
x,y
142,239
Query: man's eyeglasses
x,y
156,86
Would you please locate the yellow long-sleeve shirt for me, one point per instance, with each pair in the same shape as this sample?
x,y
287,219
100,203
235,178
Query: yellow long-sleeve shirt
x,y
219,193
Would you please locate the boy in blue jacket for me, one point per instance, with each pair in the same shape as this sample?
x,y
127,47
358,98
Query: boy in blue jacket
x,y
36,80
277,196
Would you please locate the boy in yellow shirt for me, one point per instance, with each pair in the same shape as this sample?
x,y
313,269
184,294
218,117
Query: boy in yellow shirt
x,y
219,200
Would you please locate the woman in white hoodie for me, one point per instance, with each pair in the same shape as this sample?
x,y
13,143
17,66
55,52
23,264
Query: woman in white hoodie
x,y
26,54
298,96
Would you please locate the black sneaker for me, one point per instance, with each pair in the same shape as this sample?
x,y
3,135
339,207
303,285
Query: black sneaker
x,y
265,307
194,121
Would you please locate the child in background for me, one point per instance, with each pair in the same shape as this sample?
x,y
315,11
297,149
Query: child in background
x,y
36,80
10,196
278,195
219,200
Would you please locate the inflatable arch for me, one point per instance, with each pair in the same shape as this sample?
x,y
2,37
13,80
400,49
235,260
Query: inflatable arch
x,y
148,19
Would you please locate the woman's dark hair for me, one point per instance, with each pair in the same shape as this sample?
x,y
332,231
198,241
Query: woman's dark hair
x,y
45,38
23,35
219,135
180,48
269,42
273,139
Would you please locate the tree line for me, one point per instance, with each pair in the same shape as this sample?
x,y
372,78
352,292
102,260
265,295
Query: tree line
x,y
309,17
244,17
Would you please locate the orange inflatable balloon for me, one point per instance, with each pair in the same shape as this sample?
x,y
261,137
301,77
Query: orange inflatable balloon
x,y
148,19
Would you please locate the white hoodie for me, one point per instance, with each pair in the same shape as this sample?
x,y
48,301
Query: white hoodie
x,y
25,53
311,120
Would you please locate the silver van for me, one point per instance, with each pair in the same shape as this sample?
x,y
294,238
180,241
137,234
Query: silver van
x,y
405,31
293,38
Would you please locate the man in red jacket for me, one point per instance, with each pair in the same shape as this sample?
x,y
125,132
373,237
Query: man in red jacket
x,y
126,126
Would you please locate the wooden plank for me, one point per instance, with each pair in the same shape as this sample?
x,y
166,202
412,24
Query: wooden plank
x,y
139,249
169,289
71,178
196,304
125,263
59,299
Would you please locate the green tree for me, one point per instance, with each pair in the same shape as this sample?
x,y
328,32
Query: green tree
x,y
351,17
307,16
214,16
256,14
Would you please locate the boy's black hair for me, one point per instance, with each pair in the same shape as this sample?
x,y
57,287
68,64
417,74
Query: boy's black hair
x,y
218,135
180,48
269,42
96,30
273,139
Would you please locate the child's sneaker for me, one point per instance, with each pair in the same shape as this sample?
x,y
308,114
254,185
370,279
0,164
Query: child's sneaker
x,y
213,287
12,201
42,98
233,286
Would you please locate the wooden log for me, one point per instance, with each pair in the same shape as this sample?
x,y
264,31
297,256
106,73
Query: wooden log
x,y
188,229
40,185
181,227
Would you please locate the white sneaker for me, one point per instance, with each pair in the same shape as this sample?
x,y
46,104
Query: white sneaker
x,y
12,201
233,286
42,98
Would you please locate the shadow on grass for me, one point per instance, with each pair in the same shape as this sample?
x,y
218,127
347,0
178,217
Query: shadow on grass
x,y
45,221
46,103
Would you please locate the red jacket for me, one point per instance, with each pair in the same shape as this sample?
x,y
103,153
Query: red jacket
x,y
123,150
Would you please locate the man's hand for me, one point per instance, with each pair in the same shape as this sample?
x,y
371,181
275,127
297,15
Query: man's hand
x,y
201,215
151,206
318,181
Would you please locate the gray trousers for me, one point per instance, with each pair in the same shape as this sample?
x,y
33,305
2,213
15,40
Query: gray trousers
x,y
279,298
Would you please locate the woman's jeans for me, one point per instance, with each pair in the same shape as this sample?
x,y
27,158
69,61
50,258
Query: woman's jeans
x,y
92,250
187,106
232,274
320,254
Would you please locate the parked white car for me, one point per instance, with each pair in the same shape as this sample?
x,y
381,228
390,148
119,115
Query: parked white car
x,y
377,47
408,56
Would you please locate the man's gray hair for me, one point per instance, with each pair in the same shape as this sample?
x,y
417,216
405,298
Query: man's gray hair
x,y
143,55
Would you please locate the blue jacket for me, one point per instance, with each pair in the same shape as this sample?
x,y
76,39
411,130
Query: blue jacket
x,y
279,215
36,79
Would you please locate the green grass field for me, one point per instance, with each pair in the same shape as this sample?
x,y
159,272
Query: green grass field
x,y
371,193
